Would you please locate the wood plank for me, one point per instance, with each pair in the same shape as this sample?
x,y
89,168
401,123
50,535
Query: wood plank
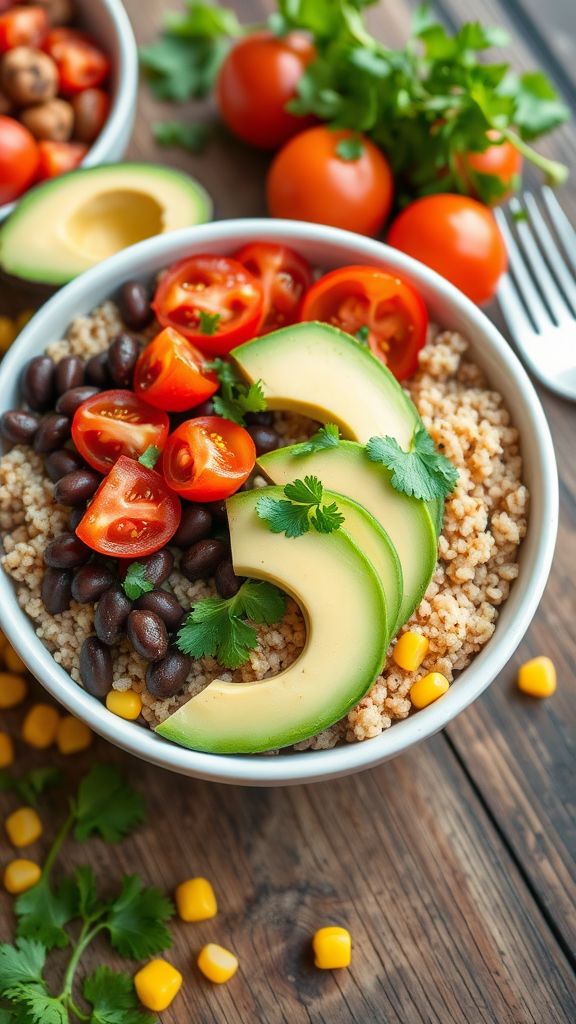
x,y
552,28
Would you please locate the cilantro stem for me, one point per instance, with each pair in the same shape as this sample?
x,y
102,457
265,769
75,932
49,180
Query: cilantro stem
x,y
556,173
87,933
61,836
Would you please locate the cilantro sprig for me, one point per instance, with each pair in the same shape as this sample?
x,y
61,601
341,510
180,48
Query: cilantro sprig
x,y
422,472
208,322
235,398
136,582
30,786
301,509
327,436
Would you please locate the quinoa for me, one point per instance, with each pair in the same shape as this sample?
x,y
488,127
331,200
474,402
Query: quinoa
x,y
484,523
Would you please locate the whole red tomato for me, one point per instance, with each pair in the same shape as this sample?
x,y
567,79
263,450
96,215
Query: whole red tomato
x,y
18,159
331,177
502,161
456,236
257,79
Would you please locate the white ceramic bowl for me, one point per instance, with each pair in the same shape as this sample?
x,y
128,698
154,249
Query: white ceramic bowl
x,y
326,247
108,22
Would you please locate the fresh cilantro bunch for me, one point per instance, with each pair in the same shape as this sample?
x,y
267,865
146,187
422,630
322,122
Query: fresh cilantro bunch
x,y
235,397
421,472
301,509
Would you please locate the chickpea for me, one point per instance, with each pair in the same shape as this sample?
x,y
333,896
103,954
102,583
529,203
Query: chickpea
x,y
53,120
29,76
60,12
90,112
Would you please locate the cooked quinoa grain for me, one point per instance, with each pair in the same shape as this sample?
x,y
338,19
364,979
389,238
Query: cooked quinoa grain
x,y
484,523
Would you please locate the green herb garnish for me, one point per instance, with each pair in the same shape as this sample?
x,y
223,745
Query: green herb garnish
x,y
30,786
191,137
208,322
150,456
422,471
362,334
301,509
327,436
136,582
235,398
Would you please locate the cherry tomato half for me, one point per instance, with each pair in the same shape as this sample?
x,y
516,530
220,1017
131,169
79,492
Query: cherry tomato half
x,y
115,423
22,26
81,63
133,512
284,275
170,374
208,458
212,300
356,298
58,158
18,159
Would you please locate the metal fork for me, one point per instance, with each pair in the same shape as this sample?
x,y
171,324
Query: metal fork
x,y
538,294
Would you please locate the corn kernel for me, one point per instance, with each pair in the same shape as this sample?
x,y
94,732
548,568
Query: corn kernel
x,y
124,703
410,650
217,964
23,826
20,875
40,726
23,318
537,677
8,332
332,948
73,735
157,984
13,690
426,690
196,900
12,660
6,750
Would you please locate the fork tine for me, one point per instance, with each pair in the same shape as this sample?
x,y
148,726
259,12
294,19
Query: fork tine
x,y
525,286
542,277
551,251
513,310
566,232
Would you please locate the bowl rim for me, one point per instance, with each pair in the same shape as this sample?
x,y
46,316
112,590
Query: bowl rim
x,y
123,108
311,766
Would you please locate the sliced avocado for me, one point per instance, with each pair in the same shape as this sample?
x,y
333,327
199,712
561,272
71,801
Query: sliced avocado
x,y
407,521
344,606
68,224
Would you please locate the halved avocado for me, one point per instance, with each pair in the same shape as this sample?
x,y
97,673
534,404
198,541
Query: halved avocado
x,y
68,224
407,521
345,610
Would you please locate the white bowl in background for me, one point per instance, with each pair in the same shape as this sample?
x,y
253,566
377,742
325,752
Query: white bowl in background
x,y
325,247
108,22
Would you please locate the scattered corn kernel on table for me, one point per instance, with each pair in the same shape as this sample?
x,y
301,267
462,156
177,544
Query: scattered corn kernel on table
x,y
450,866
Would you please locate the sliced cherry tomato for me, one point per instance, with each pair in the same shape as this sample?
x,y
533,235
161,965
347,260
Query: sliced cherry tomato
x,y
212,300
370,301
58,158
23,26
133,512
18,159
81,63
115,423
284,275
208,458
170,374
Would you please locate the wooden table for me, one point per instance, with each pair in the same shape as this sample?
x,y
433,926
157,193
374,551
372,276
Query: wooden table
x,y
450,865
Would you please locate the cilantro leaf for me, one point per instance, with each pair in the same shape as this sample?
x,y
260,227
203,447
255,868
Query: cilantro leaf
x,y
191,137
30,786
150,456
136,920
203,21
107,805
88,904
350,149
235,398
43,910
112,998
307,491
135,582
208,322
327,518
179,68
39,1007
302,509
284,516
421,472
327,437
260,601
21,964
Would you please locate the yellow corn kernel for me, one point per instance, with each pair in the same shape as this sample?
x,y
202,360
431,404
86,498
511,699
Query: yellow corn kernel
x,y
13,690
332,948
23,318
216,963
23,826
410,650
124,703
196,900
6,750
537,677
8,332
73,735
426,690
156,984
20,875
12,660
40,726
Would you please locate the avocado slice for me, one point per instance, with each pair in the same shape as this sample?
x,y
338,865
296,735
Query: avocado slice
x,y
68,224
345,610
407,521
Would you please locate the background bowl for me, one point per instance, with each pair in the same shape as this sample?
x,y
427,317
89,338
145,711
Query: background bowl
x,y
108,22
325,247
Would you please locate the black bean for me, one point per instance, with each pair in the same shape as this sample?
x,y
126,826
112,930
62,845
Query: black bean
x,y
61,462
166,677
202,559
163,604
158,565
122,355
69,374
38,382
75,488
96,667
96,370
260,419
53,432
56,590
265,439
148,635
227,582
90,582
71,400
218,510
66,552
112,610
75,517
134,305
19,426
204,409
195,524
